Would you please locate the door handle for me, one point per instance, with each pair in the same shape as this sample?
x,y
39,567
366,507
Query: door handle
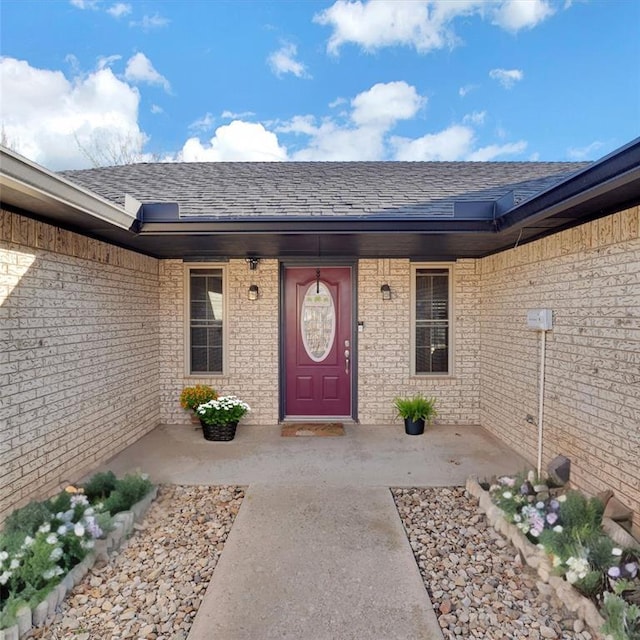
x,y
347,355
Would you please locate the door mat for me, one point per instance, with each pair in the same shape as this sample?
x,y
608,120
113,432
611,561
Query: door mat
x,y
312,429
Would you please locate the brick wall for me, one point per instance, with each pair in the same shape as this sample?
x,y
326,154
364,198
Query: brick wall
x,y
78,355
252,347
590,277
384,347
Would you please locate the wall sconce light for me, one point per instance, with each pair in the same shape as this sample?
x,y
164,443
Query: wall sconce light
x,y
253,292
253,263
385,290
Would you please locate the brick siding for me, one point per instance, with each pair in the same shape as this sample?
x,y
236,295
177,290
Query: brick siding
x,y
251,370
78,355
590,277
384,347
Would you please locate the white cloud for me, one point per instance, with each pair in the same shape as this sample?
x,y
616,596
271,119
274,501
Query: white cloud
x,y
105,61
237,141
363,136
156,21
119,9
337,103
425,25
373,25
506,77
85,4
156,108
475,117
493,151
140,70
384,104
468,88
514,15
204,123
331,141
299,124
454,143
50,118
588,152
284,61
231,115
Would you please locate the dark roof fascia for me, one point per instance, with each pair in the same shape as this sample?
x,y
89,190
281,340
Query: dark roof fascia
x,y
315,225
618,169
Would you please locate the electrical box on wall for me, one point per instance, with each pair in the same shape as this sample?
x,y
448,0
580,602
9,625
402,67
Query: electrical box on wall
x,y
540,319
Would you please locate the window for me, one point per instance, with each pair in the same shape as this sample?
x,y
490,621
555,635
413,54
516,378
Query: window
x,y
432,320
206,318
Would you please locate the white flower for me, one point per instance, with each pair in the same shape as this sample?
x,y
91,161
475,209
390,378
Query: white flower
x,y
507,495
56,554
78,530
27,542
89,511
3,556
88,544
15,563
562,498
48,574
52,538
517,518
62,529
45,528
558,528
4,577
540,505
616,551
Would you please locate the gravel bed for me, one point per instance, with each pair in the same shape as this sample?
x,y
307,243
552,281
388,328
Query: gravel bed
x,y
476,580
152,587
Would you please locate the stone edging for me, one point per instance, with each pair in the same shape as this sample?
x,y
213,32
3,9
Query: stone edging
x,y
122,523
537,559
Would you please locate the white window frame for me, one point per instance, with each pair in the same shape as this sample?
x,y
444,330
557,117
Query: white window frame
x,y
449,266
196,266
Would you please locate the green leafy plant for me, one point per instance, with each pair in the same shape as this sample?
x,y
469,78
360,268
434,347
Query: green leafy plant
x,y
416,408
27,519
126,493
622,618
192,397
100,486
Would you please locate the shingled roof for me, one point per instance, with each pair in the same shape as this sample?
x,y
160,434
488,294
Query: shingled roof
x,y
298,190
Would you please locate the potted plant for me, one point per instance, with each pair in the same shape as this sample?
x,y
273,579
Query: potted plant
x,y
192,397
415,411
219,417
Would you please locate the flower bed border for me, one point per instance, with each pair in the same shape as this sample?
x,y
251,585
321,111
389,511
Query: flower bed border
x,y
122,522
537,559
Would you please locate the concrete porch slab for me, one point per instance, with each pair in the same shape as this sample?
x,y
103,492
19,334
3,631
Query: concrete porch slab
x,y
380,456
316,563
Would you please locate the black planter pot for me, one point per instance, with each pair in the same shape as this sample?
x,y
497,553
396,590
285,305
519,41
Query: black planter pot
x,y
414,427
219,432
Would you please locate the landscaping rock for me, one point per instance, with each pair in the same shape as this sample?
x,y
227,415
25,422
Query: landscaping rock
x,y
559,470
485,593
148,589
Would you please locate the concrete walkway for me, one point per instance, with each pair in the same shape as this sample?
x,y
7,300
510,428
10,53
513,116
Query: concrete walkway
x,y
316,564
318,551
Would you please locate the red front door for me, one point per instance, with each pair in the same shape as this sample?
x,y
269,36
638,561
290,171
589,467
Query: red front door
x,y
318,341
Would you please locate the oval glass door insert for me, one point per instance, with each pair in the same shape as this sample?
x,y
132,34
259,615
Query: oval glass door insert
x,y
318,321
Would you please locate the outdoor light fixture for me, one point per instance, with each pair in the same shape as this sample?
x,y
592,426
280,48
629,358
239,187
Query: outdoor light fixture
x,y
253,263
253,292
385,290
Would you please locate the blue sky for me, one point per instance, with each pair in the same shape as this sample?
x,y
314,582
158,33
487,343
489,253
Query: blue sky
x,y
100,81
